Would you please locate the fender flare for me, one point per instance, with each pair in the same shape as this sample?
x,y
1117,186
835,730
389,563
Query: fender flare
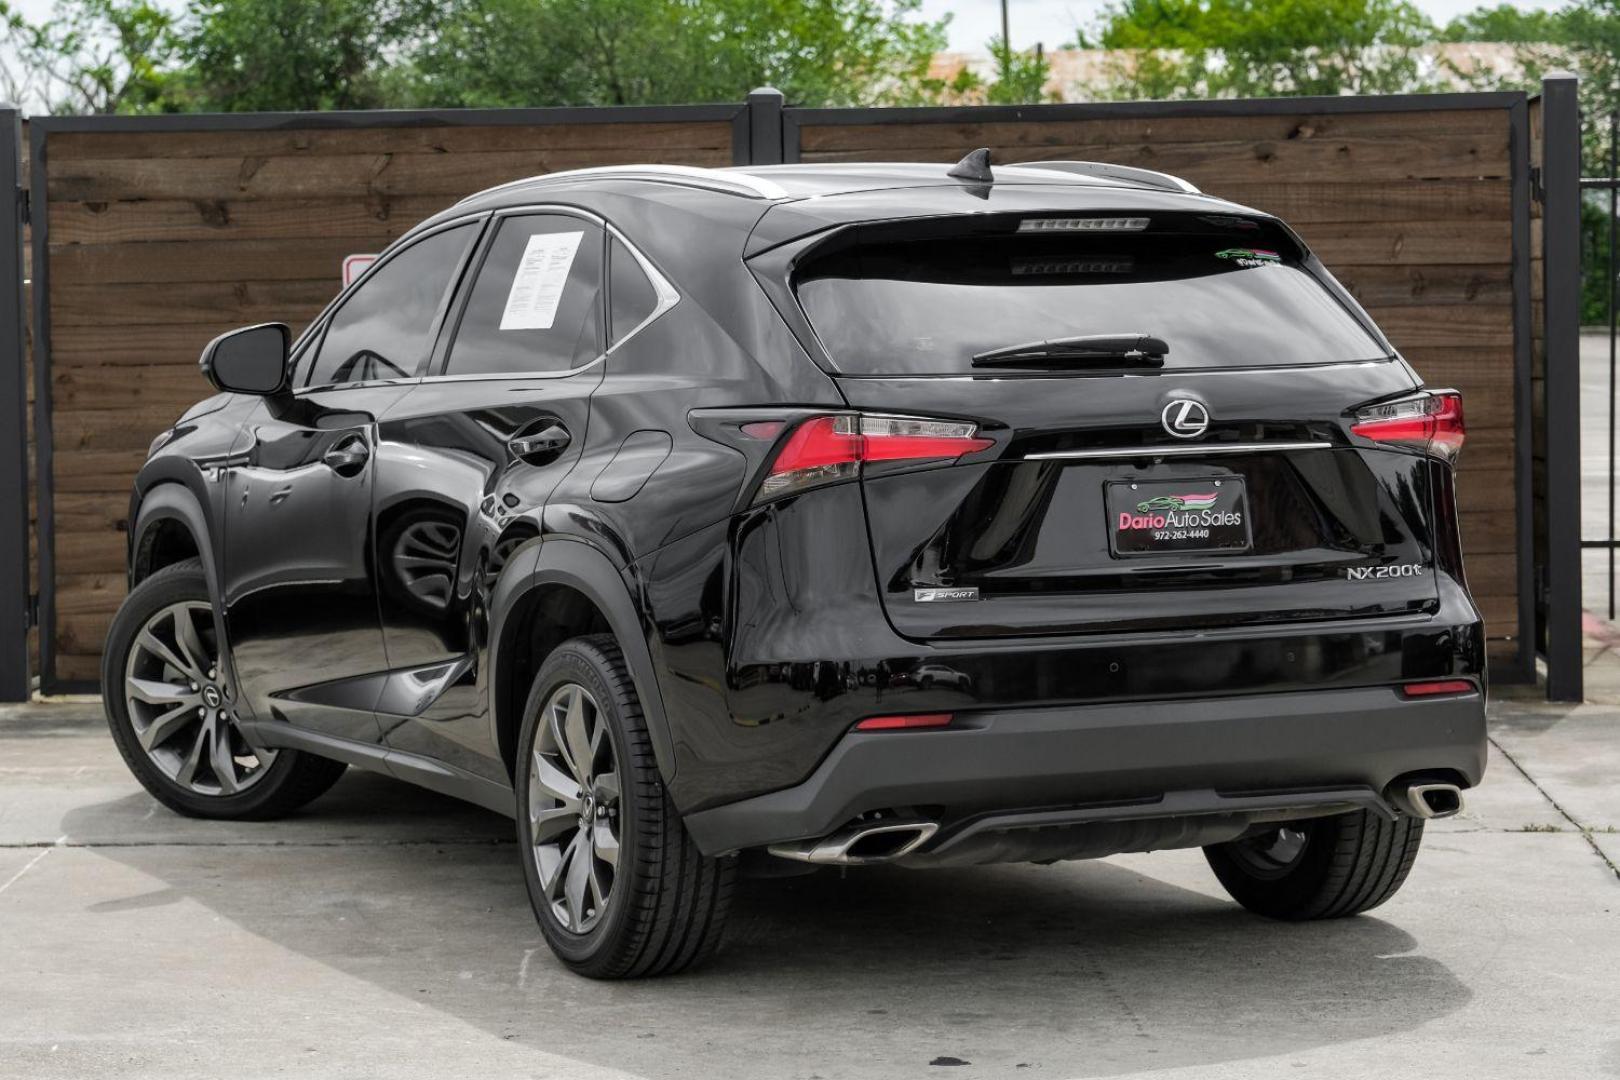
x,y
173,500
579,565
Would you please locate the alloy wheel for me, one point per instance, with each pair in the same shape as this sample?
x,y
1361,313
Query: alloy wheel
x,y
1273,853
181,707
574,818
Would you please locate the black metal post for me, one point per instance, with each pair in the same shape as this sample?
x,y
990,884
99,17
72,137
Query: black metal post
x,y
765,126
1561,240
13,419
1614,205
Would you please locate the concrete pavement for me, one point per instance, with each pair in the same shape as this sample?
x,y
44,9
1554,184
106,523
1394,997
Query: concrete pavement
x,y
384,932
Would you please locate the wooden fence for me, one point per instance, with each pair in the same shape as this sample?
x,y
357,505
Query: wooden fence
x,y
161,233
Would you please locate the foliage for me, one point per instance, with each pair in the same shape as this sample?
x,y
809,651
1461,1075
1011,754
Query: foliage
x,y
90,56
1262,48
247,55
1507,23
1020,76
616,52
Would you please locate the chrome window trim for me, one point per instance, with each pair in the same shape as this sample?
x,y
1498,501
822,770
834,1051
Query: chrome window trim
x,y
668,297
1197,450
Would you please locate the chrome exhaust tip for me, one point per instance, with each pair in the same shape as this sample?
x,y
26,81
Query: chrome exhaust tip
x,y
860,844
1427,800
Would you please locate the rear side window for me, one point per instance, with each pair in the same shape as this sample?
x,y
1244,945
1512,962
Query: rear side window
x,y
536,304
631,295
382,330
1221,291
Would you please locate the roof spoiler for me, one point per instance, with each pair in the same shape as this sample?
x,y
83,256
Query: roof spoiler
x,y
1127,173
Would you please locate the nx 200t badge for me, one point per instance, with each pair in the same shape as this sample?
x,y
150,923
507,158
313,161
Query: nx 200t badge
x,y
1185,419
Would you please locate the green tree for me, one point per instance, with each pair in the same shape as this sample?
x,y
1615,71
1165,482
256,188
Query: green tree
x,y
1020,76
1263,48
618,52
1505,23
256,55
89,56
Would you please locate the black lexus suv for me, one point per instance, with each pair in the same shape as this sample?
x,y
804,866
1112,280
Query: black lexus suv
x,y
723,521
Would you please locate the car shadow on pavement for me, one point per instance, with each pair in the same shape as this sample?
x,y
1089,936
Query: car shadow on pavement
x,y
1076,969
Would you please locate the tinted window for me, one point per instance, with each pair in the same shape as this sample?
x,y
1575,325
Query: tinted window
x,y
537,302
1219,297
632,295
381,331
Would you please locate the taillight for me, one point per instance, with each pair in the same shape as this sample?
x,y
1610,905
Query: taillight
x,y
1432,422
824,449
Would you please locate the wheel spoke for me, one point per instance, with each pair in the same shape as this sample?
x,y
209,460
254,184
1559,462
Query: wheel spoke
x,y
150,642
579,740
604,844
158,692
555,783
579,869
547,825
607,788
191,646
188,768
155,733
220,757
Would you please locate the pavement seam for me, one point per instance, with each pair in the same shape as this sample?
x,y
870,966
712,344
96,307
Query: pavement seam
x,y
35,861
1585,833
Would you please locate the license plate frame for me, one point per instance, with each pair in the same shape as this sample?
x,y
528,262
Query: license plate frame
x,y
1207,515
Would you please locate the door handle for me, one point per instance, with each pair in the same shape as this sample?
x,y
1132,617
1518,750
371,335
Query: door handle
x,y
347,456
540,447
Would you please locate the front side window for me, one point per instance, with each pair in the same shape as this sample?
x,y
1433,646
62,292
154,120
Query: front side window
x,y
383,330
536,305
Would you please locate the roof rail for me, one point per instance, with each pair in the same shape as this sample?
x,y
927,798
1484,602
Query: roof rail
x,y
729,181
1107,171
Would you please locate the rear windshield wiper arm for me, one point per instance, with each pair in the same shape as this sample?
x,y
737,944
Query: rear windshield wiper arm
x,y
1134,350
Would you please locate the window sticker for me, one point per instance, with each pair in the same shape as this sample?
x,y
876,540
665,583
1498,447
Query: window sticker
x,y
537,286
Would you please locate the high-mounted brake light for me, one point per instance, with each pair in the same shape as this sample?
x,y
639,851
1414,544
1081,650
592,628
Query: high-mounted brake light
x,y
1432,422
1438,687
904,723
1083,224
824,449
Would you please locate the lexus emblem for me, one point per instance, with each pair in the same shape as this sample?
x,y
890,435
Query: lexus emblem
x,y
1185,419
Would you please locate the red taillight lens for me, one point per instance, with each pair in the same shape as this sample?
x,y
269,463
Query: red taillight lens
x,y
1438,687
904,723
1432,423
828,448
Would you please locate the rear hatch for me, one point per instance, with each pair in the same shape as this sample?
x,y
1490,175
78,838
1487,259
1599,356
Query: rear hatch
x,y
1171,399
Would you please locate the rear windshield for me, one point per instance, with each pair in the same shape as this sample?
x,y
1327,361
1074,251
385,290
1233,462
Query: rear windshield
x,y
1221,291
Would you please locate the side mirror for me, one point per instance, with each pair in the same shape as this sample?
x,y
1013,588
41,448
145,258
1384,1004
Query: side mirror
x,y
252,360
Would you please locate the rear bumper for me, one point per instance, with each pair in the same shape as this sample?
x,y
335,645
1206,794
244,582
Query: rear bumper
x,y
1145,755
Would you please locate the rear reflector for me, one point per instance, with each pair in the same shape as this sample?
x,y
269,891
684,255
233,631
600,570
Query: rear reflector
x,y
1432,423
904,723
1442,686
823,449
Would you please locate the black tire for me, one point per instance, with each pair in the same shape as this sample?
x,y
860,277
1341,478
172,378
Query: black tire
x,y
288,781
666,904
1348,864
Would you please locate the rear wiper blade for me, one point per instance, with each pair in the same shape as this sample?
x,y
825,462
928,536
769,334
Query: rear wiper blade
x,y
1134,350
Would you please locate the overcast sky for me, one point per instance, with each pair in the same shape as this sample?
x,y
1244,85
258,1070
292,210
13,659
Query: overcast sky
x,y
1050,22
